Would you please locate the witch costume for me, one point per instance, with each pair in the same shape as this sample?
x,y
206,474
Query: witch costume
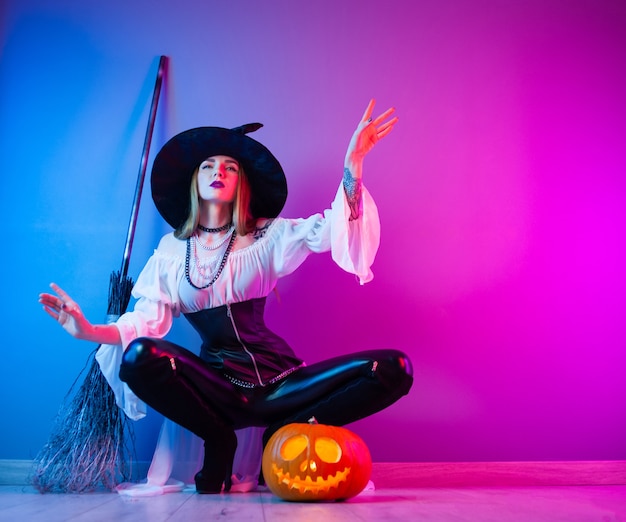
x,y
245,375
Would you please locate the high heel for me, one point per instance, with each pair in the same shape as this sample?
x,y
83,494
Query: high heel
x,y
217,468
209,485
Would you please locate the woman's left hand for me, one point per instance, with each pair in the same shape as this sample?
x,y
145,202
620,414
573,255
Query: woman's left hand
x,y
368,132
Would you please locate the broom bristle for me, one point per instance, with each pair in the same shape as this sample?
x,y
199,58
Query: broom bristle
x,y
89,444
87,448
120,288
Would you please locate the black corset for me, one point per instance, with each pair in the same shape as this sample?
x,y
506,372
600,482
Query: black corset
x,y
235,339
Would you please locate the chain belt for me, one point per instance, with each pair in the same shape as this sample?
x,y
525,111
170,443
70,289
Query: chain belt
x,y
275,379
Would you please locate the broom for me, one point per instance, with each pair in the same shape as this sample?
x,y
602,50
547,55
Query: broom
x,y
88,447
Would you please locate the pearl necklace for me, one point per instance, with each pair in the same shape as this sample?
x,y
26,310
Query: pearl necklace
x,y
201,272
197,241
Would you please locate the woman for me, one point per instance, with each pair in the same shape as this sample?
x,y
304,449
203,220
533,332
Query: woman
x,y
222,191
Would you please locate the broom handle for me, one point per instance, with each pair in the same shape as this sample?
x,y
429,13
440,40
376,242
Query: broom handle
x,y
142,168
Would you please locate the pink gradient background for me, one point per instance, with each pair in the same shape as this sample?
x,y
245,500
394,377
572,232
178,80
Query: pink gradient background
x,y
502,194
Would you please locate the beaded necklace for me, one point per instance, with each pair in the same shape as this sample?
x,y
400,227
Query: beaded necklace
x,y
219,269
210,247
214,230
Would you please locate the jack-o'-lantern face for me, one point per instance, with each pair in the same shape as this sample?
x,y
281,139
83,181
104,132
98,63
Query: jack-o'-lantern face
x,y
316,462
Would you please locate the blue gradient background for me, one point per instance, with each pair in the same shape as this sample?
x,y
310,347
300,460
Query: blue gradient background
x,y
501,191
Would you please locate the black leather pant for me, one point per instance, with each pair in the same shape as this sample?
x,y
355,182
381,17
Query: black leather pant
x,y
337,391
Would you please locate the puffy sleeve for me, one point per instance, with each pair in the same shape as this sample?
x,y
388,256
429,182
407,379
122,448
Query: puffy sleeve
x,y
157,304
157,300
354,243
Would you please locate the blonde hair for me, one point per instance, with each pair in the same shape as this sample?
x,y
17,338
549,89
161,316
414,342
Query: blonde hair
x,y
242,216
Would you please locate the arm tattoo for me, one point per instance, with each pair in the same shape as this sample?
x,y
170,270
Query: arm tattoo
x,y
352,188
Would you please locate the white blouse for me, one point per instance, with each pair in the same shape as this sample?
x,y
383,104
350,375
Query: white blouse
x,y
163,293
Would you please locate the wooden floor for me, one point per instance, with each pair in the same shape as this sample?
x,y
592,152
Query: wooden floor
x,y
475,504
430,492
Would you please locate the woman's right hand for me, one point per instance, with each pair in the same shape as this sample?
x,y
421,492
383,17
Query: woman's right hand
x,y
63,309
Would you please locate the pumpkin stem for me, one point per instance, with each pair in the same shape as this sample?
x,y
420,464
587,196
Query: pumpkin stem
x,y
312,420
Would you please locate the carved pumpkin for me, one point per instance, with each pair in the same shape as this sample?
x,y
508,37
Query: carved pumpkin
x,y
304,462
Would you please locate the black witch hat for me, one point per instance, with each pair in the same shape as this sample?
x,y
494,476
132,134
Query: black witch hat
x,y
175,163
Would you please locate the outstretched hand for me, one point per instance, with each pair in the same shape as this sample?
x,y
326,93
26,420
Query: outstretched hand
x,y
63,309
368,132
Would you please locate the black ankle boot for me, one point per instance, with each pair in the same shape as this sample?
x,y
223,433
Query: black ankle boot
x,y
217,468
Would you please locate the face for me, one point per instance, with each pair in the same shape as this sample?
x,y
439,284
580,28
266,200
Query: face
x,y
217,179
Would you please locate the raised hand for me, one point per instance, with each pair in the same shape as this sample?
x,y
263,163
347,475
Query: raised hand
x,y
368,132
